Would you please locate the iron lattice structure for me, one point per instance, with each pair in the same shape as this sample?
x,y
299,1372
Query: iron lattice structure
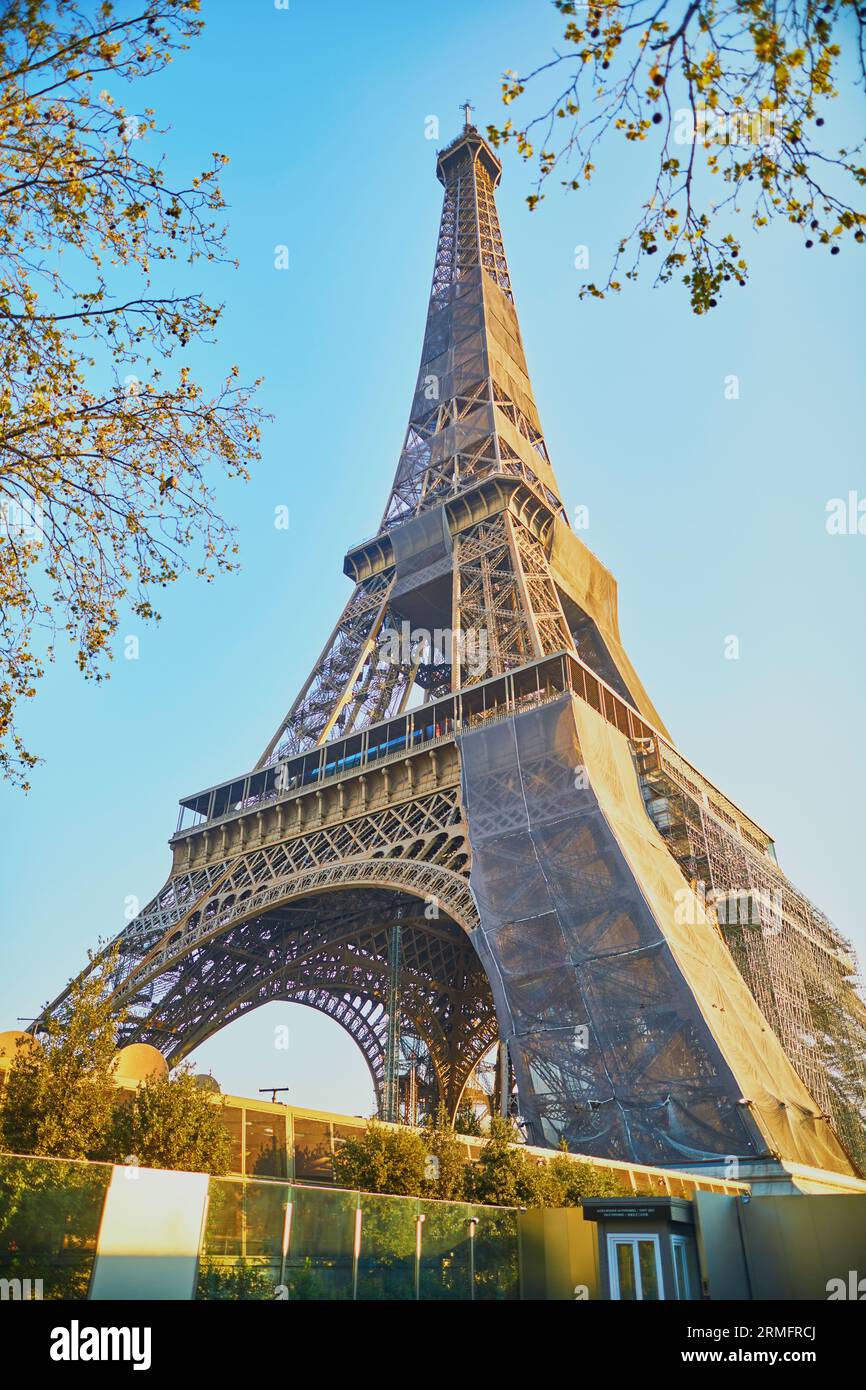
x,y
441,849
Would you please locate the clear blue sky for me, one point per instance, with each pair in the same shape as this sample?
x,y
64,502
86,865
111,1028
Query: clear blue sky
x,y
711,513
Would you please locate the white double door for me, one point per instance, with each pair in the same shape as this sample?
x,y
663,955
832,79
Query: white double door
x,y
635,1265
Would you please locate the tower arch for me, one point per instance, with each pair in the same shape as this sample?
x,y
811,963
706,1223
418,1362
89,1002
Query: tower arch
x,y
356,948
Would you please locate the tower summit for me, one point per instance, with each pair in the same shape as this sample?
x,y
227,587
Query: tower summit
x,y
474,542
472,828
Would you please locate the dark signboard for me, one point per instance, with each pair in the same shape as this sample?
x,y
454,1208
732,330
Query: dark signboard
x,y
626,1213
651,1209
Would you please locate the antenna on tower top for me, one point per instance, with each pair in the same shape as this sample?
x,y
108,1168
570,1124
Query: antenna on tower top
x,y
467,108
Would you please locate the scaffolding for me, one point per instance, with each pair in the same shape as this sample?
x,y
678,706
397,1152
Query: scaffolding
x,y
802,972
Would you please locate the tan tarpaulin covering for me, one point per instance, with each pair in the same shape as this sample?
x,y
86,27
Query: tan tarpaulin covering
x,y
593,588
781,1106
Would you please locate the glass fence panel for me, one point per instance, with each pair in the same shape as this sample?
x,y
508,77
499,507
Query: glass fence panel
x,y
320,1259
50,1212
241,1258
254,1241
497,1253
445,1270
386,1264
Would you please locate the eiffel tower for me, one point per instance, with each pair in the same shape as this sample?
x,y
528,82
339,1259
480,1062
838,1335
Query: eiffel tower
x,y
472,829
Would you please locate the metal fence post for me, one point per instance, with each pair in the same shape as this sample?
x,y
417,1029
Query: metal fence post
x,y
473,1223
419,1226
356,1250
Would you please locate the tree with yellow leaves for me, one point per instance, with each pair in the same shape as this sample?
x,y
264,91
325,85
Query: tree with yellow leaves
x,y
107,448
731,95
